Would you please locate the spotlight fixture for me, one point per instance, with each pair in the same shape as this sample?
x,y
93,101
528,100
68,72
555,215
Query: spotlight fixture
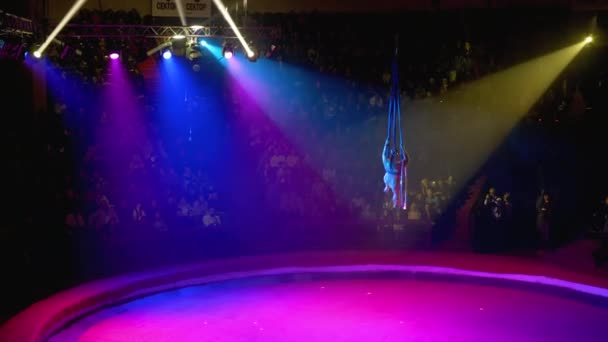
x,y
194,51
32,50
178,45
589,39
224,11
228,51
73,10
202,43
158,48
167,54
252,56
114,55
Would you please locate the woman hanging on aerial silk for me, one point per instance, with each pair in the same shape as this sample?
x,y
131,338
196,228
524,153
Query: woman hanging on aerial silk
x,y
395,176
394,157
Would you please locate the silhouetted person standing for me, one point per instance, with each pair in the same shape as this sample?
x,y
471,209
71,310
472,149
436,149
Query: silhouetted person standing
x,y
600,227
544,208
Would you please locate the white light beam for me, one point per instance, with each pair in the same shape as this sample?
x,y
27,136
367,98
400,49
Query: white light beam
x,y
60,26
180,11
226,15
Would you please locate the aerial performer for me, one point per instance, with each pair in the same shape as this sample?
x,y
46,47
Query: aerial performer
x,y
394,157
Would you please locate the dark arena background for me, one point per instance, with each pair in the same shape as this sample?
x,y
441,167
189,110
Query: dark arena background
x,y
199,170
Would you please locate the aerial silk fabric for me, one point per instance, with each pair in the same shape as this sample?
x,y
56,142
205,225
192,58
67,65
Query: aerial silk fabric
x,y
394,157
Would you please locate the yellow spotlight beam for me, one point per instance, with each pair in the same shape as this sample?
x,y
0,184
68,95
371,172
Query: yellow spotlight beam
x,y
464,129
230,22
59,27
514,91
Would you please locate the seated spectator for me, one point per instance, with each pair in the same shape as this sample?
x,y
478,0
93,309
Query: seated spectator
x,y
357,204
138,213
211,218
159,224
183,208
213,195
414,212
449,186
197,209
507,206
105,216
398,223
490,197
367,213
74,220
432,205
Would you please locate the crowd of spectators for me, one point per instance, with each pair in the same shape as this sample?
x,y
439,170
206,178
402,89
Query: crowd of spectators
x,y
340,112
105,182
136,188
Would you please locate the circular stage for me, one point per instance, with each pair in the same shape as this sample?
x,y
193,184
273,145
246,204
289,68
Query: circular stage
x,y
330,296
373,309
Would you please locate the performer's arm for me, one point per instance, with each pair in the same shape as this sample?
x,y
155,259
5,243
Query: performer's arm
x,y
386,150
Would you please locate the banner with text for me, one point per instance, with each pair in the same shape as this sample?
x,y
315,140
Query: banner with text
x,y
192,8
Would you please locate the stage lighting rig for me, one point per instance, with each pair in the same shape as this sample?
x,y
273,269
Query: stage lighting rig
x,y
252,54
253,57
193,51
178,44
228,51
35,51
158,48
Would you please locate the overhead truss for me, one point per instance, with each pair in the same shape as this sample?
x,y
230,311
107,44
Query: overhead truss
x,y
11,24
156,32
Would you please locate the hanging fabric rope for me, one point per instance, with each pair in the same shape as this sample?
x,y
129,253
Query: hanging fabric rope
x,y
394,157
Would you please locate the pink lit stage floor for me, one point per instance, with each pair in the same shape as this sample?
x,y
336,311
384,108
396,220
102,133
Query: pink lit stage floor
x,y
329,296
344,310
